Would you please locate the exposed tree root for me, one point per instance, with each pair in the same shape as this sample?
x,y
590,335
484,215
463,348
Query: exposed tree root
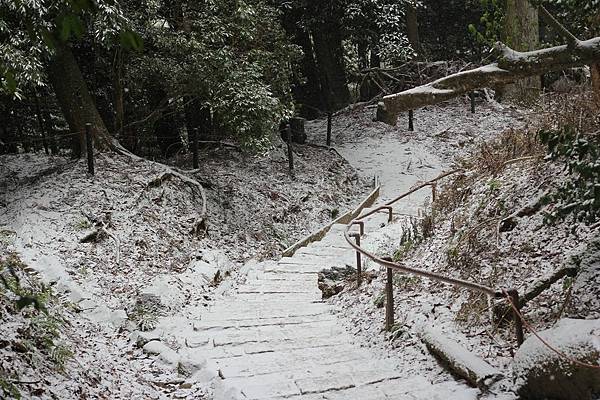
x,y
170,172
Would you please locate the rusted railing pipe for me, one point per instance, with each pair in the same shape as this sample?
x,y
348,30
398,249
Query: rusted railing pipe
x,y
426,274
356,237
389,297
405,194
361,226
391,266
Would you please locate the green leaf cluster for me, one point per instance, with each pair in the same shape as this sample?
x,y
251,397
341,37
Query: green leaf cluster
x,y
489,29
577,197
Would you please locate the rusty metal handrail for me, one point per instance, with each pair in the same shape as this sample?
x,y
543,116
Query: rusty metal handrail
x,y
390,265
427,274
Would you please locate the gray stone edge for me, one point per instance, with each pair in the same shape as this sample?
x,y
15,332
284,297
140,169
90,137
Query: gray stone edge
x,y
343,219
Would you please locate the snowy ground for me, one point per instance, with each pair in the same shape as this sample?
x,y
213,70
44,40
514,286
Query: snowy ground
x,y
157,263
149,252
467,245
401,158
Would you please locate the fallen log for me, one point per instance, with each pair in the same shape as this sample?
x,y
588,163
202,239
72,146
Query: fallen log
x,y
511,66
459,360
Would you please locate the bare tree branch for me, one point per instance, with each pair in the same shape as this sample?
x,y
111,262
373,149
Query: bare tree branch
x,y
572,41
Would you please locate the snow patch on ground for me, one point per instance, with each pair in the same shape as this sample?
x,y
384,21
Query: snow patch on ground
x,y
145,268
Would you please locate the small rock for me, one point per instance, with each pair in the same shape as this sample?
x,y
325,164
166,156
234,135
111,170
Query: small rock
x,y
164,352
543,374
190,365
141,338
331,281
154,347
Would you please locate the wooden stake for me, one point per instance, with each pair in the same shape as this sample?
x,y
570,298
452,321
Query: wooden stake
x,y
90,148
195,163
329,129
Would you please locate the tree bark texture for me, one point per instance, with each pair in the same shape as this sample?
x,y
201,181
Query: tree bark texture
x,y
74,98
521,33
306,86
308,92
412,28
329,53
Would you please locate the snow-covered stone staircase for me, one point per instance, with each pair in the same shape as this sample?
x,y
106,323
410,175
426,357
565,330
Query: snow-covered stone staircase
x,y
276,338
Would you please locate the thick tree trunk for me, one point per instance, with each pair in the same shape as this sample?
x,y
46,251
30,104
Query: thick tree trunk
x,y
330,61
511,67
595,71
412,28
75,100
521,33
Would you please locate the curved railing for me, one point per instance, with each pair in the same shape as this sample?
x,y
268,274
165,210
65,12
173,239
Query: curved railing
x,y
392,266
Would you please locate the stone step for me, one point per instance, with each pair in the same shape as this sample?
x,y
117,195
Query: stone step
x,y
213,324
291,288
283,276
317,379
263,308
266,333
337,357
280,297
323,251
205,350
276,339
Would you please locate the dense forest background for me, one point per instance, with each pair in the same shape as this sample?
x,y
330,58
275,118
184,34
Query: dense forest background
x,y
151,73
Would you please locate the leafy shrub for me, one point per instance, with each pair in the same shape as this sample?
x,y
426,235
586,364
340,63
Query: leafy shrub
x,y
31,309
489,29
578,196
9,281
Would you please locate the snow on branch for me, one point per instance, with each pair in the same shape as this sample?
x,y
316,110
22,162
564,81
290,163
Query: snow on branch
x,y
511,66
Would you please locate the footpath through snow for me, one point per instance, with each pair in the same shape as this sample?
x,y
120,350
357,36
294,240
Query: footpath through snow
x,y
275,339
401,158
149,328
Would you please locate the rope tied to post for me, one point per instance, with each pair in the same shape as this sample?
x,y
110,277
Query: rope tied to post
x,y
528,326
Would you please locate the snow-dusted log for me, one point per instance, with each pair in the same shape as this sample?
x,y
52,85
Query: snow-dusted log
x,y
510,67
460,360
